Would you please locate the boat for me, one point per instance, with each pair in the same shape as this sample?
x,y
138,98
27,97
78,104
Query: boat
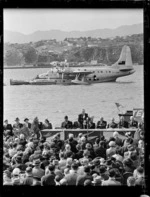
x,y
18,82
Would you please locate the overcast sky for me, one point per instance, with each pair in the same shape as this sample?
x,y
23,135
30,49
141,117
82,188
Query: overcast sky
x,y
30,20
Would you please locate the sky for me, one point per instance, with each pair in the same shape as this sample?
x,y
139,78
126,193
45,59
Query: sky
x,y
27,21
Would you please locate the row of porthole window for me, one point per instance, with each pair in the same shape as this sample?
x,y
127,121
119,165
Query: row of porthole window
x,y
98,71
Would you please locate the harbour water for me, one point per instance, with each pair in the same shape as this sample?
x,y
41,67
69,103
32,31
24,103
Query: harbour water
x,y
56,101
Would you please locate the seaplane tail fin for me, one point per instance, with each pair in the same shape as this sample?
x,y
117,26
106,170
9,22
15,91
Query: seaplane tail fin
x,y
125,59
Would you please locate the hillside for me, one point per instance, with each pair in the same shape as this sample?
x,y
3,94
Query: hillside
x,y
73,50
16,37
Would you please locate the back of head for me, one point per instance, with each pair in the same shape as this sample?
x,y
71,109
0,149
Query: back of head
x,y
102,169
57,178
115,134
87,169
131,181
128,162
140,170
78,147
112,173
101,143
51,167
133,156
74,166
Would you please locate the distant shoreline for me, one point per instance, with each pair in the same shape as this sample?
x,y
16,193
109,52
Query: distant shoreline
x,y
46,66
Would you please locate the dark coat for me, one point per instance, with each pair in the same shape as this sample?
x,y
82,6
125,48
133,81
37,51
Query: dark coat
x,y
112,125
100,152
81,118
82,178
73,144
66,125
8,127
123,124
133,124
101,125
48,180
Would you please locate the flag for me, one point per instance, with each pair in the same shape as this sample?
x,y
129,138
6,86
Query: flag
x,y
118,106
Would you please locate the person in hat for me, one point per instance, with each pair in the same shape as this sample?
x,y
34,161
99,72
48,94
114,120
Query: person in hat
x,y
66,124
49,179
112,150
28,180
17,125
85,176
103,173
37,171
96,165
71,178
27,123
7,128
111,181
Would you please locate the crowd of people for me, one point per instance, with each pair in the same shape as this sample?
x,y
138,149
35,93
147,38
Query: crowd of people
x,y
28,159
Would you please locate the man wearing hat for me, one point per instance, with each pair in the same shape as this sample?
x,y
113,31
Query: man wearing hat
x,y
37,171
49,179
111,181
7,128
17,125
66,124
28,180
86,175
27,123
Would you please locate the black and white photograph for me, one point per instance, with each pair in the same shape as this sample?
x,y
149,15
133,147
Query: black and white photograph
x,y
73,97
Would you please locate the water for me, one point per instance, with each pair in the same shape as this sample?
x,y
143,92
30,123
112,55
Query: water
x,y
56,101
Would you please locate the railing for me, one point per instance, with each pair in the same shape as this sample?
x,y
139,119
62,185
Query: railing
x,y
91,133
